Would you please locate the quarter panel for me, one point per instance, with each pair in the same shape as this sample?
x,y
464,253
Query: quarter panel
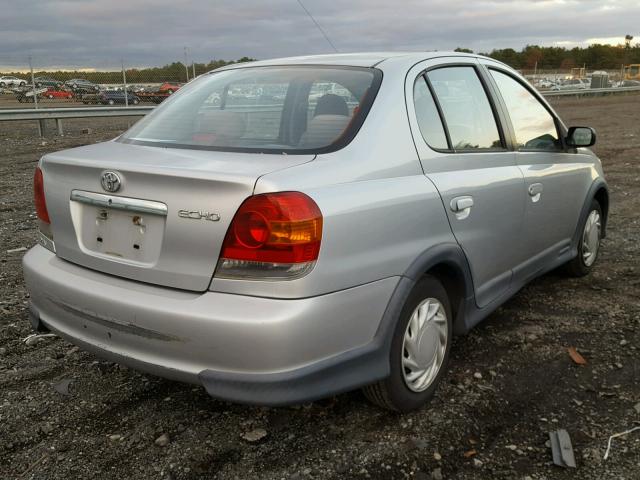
x,y
371,230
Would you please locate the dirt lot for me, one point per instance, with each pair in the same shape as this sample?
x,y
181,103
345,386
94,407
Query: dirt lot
x,y
511,380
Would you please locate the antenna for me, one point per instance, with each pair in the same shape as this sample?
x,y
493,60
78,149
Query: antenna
x,y
324,34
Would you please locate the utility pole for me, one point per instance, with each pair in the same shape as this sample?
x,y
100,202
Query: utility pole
x,y
33,83
193,65
35,100
186,65
124,81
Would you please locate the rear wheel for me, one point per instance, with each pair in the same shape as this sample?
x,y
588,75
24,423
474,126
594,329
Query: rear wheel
x,y
419,349
588,244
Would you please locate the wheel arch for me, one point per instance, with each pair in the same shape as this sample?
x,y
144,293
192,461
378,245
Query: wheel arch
x,y
448,263
600,192
602,196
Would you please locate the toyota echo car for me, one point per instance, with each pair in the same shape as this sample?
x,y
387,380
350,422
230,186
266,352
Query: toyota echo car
x,y
285,230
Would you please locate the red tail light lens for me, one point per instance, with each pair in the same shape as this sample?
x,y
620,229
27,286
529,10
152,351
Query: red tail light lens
x,y
272,235
38,196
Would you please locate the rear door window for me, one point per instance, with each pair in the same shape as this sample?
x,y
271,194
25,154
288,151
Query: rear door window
x,y
467,112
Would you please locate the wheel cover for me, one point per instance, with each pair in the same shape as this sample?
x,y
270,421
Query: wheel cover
x,y
424,344
591,238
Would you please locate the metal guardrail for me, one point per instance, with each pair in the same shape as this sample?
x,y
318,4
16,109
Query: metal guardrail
x,y
72,112
589,91
58,114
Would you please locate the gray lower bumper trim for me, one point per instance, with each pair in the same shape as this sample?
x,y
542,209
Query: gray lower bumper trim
x,y
332,376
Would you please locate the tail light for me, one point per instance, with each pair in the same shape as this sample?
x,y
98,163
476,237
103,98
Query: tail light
x,y
44,222
273,235
38,196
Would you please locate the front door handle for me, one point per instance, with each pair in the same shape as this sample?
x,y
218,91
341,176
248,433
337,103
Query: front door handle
x,y
535,190
461,206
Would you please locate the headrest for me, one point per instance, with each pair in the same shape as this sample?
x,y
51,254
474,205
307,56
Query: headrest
x,y
330,104
323,130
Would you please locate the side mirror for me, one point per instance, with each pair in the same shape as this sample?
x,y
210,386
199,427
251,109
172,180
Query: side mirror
x,y
581,137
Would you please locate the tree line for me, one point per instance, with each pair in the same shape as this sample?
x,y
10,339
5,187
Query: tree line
x,y
174,72
594,57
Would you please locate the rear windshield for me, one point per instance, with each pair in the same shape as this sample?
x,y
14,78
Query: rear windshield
x,y
300,109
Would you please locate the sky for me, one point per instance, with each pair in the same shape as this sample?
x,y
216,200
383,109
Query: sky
x,y
99,34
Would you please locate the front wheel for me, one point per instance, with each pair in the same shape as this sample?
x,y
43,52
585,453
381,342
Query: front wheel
x,y
420,349
588,243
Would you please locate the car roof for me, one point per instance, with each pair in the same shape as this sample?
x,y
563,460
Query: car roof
x,y
362,59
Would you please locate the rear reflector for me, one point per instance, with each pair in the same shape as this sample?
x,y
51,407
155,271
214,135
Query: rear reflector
x,y
273,235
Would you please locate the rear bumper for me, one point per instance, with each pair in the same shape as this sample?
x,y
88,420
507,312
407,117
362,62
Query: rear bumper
x,y
240,348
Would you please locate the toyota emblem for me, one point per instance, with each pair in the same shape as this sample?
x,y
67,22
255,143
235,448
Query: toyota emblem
x,y
111,181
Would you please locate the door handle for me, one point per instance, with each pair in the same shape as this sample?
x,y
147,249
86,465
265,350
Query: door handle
x,y
535,190
461,206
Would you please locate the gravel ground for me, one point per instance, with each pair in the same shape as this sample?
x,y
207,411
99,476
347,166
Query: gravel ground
x,y
511,380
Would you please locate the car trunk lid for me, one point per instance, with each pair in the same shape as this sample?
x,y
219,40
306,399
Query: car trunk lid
x,y
165,223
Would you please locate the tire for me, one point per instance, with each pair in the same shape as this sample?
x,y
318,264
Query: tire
x,y
111,102
169,91
136,101
22,84
50,97
587,256
2,85
393,393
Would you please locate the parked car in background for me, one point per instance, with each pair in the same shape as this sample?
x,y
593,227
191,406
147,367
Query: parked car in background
x,y
9,81
48,82
52,93
80,85
168,87
110,97
544,83
627,83
572,84
327,243
27,95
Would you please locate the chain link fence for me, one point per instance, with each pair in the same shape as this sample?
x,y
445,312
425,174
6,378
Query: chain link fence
x,y
36,82
31,82
577,78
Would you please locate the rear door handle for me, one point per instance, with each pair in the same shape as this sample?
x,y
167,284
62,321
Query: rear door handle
x,y
461,206
535,190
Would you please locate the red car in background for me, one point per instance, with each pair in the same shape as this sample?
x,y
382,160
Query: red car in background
x,y
168,87
53,93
